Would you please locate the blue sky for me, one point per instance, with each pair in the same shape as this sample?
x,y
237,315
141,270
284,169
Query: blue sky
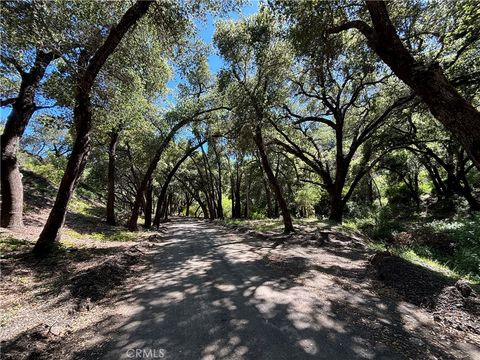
x,y
206,34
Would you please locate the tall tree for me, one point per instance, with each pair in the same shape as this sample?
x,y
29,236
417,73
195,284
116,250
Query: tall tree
x,y
23,107
253,82
48,29
89,69
425,77
163,192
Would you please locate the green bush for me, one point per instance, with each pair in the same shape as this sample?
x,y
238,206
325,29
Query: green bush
x,y
465,235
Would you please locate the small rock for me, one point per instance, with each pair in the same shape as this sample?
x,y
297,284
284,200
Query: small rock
x,y
55,329
463,287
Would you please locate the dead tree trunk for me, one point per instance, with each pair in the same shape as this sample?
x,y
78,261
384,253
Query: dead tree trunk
x,y
83,124
23,107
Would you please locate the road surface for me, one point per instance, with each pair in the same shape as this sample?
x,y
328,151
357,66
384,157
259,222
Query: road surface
x,y
210,294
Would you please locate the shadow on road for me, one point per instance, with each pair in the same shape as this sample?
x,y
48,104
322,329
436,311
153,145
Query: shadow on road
x,y
210,295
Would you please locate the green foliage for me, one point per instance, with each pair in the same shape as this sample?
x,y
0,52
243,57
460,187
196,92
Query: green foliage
x,y
105,235
306,197
465,235
51,168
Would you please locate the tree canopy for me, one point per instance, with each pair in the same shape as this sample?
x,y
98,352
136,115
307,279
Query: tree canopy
x,y
318,108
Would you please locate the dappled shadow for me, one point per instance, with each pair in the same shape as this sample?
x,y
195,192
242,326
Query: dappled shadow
x,y
225,302
52,275
417,284
86,224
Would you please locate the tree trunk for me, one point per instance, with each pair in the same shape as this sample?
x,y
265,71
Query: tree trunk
x,y
204,208
22,109
268,199
167,209
132,223
472,202
160,203
232,194
287,219
237,210
187,205
336,207
219,187
148,208
246,209
211,207
168,179
429,82
83,124
111,219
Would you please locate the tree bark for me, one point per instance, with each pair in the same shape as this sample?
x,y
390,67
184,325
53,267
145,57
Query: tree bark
x,y
23,107
148,207
219,191
287,219
246,209
168,204
237,208
232,194
83,124
336,209
268,199
112,148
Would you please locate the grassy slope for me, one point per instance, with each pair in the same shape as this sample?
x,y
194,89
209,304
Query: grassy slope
x,y
85,215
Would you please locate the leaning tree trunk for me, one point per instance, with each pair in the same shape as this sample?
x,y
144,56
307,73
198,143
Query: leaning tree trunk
x,y
428,81
22,109
132,223
83,125
268,199
168,179
111,219
287,219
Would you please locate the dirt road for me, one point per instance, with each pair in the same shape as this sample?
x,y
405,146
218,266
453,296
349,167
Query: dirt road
x,y
211,294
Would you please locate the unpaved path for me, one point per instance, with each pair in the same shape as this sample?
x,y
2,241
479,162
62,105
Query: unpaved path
x,y
211,294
